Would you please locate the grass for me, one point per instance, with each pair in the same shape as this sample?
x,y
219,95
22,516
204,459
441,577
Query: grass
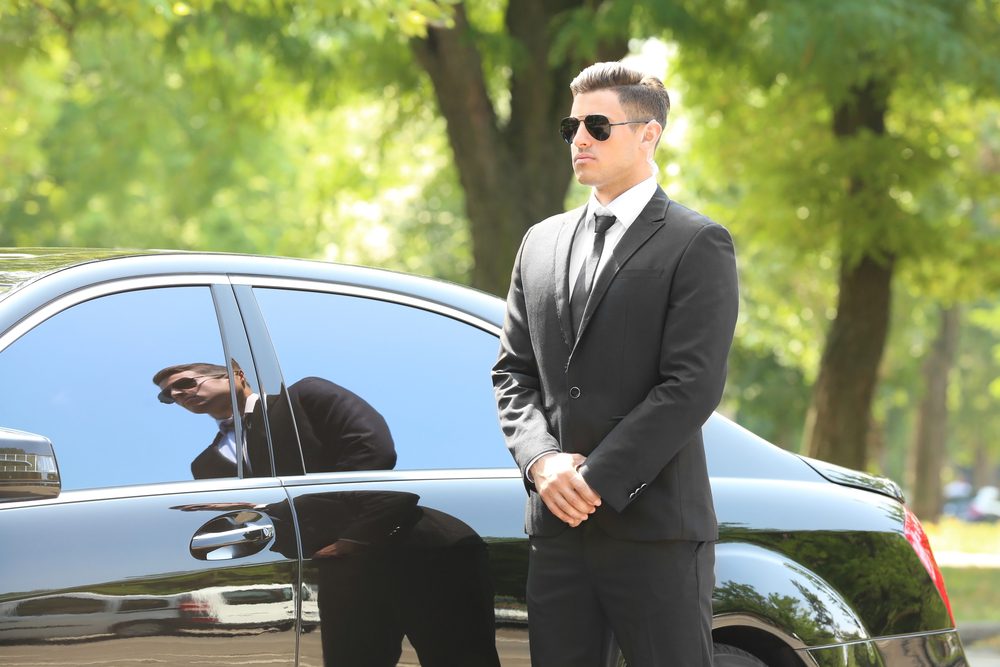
x,y
950,534
974,592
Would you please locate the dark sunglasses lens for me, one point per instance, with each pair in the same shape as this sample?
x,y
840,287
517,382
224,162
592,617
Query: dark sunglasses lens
x,y
184,383
567,128
598,126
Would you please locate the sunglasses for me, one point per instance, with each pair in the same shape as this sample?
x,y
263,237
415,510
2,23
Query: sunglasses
x,y
597,125
184,384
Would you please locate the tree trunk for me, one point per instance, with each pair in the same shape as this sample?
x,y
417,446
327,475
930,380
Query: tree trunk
x,y
839,418
982,470
842,396
932,420
517,172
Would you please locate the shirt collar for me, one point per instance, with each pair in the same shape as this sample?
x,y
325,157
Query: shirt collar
x,y
248,407
627,206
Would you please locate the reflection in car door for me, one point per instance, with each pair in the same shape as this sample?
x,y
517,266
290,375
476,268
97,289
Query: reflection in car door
x,y
135,560
410,509
78,564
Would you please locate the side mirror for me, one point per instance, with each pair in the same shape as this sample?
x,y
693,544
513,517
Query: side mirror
x,y
28,469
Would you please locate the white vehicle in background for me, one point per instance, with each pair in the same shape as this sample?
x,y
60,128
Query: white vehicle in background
x,y
86,615
985,505
254,605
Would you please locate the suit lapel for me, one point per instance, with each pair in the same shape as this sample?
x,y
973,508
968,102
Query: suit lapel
x,y
564,245
648,223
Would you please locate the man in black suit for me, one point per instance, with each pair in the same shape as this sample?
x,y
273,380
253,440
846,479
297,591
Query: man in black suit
x,y
613,355
203,388
338,429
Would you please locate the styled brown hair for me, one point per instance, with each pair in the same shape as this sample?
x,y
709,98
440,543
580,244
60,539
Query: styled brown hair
x,y
198,367
641,96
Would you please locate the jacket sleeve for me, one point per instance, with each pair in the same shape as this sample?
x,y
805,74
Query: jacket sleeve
x,y
694,347
516,380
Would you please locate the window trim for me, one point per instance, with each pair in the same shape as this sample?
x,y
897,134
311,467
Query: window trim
x,y
368,293
90,292
385,296
213,283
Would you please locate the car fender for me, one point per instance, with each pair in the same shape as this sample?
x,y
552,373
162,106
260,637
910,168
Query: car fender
x,y
782,597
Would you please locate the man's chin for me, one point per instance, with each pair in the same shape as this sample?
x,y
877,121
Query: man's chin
x,y
582,177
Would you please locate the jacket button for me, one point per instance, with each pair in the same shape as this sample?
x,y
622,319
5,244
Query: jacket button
x,y
574,392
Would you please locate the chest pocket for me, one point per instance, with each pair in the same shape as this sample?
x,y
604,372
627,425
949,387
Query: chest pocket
x,y
631,274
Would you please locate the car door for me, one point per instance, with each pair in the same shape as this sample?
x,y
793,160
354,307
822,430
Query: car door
x,y
412,534
135,560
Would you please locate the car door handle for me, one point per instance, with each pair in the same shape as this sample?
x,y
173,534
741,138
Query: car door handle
x,y
232,536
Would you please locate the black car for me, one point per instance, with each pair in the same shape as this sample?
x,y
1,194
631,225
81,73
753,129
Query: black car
x,y
357,506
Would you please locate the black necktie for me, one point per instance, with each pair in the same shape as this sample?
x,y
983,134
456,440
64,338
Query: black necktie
x,y
585,279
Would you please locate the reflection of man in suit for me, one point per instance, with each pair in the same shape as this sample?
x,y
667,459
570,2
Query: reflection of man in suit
x,y
388,568
619,321
338,429
204,388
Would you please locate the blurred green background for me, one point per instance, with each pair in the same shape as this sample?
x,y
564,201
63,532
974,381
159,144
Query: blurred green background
x,y
852,148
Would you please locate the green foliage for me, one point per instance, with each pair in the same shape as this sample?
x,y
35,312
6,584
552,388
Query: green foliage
x,y
760,84
242,126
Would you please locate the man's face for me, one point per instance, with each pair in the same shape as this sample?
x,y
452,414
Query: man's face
x,y
616,164
210,394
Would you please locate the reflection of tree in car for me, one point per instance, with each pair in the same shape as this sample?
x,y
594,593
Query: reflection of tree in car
x,y
875,584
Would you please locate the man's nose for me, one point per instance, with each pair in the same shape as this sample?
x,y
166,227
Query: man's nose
x,y
582,136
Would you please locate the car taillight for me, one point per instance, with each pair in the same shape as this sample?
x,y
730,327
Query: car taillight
x,y
917,538
196,611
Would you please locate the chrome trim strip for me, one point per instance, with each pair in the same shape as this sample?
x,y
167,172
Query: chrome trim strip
x,y
199,486
103,289
912,635
149,490
366,476
368,292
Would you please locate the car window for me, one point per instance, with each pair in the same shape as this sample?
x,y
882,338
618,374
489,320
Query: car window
x,y
84,379
427,375
64,604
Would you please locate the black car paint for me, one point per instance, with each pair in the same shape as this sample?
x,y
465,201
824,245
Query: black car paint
x,y
808,571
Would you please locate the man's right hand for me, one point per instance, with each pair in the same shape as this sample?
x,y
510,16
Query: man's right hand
x,y
562,487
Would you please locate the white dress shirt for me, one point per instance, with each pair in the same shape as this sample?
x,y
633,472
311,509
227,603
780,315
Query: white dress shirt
x,y
626,207
227,443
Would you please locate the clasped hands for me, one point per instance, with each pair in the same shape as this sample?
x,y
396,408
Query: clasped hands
x,y
563,489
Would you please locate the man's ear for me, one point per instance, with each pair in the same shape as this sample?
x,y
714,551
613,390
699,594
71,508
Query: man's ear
x,y
652,131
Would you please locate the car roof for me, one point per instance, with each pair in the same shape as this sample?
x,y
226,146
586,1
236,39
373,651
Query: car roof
x,y
19,266
52,272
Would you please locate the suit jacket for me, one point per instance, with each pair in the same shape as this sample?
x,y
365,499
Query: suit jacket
x,y
633,389
211,463
337,429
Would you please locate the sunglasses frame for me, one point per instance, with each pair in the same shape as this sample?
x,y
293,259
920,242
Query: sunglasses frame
x,y
596,124
166,394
